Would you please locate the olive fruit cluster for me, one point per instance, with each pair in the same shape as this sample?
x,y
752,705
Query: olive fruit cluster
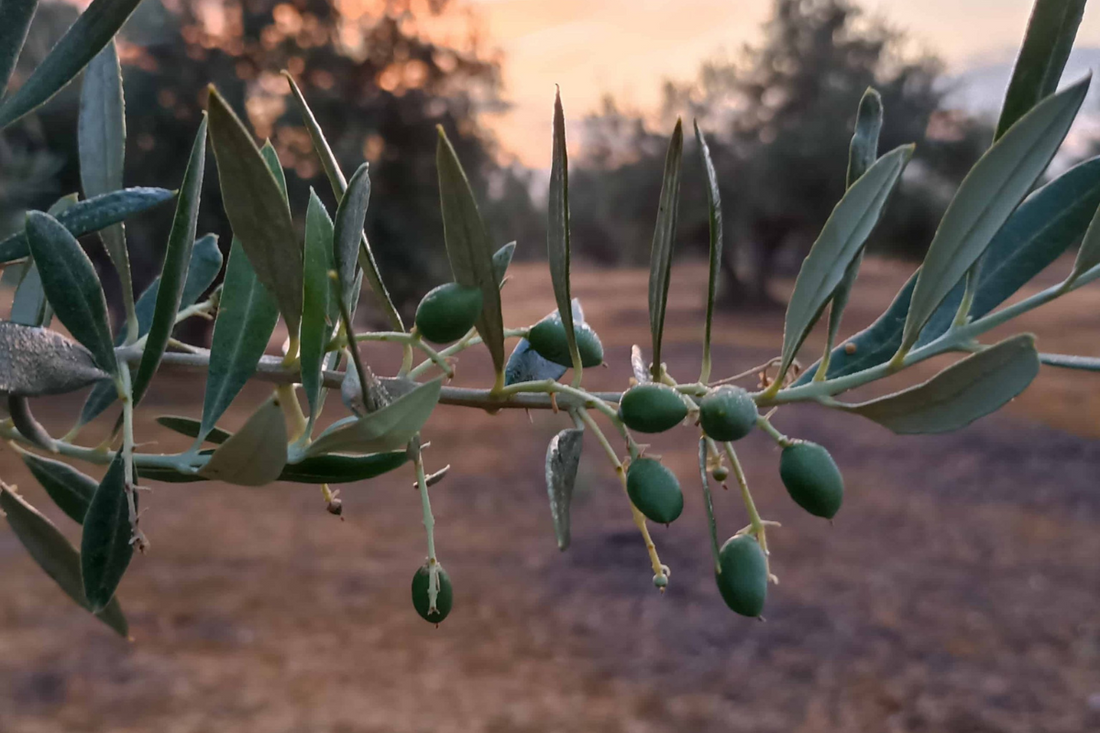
x,y
448,312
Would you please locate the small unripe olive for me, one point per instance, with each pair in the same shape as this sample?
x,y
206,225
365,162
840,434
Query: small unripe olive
x,y
812,478
727,413
448,312
720,473
652,408
547,337
743,575
443,600
654,490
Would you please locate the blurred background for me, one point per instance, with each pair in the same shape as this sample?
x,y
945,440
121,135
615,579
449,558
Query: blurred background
x,y
958,589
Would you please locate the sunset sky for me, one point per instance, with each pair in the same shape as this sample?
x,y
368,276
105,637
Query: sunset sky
x,y
626,47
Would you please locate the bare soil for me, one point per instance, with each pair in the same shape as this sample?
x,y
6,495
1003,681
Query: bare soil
x,y
956,592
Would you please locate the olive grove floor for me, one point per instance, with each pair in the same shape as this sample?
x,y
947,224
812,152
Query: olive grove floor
x,y
958,591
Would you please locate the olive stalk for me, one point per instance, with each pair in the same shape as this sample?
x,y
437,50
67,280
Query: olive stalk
x,y
429,522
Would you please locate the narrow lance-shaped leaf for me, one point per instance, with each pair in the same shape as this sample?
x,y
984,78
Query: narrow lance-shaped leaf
x,y
708,501
70,489
563,456
557,235
320,311
1089,254
347,229
257,210
37,361
71,286
15,19
54,554
1046,47
995,186
332,469
255,454
963,392
92,215
840,241
105,547
501,260
714,222
246,318
177,258
101,135
339,185
468,247
192,428
1037,233
664,241
29,306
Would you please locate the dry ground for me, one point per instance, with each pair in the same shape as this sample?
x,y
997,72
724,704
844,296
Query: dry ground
x,y
956,592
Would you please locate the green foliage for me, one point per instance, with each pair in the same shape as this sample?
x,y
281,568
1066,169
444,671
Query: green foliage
x,y
664,242
105,546
557,234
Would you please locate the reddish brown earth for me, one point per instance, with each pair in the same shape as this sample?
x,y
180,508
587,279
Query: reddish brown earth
x,y
956,592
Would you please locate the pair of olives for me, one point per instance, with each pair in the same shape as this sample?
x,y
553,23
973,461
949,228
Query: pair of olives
x,y
727,413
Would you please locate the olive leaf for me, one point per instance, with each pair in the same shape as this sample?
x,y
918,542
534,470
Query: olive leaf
x,y
468,246
638,367
963,392
1089,254
1067,361
563,456
331,469
501,260
173,274
71,286
29,306
320,311
254,455
246,318
84,39
708,502
55,555
191,428
1047,43
389,428
350,216
339,185
1037,233
557,234
105,547
37,361
664,241
92,215
101,139
15,19
841,240
19,410
714,222
989,194
257,210
271,160
70,489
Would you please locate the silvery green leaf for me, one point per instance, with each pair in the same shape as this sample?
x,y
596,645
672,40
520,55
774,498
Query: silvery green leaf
x,y
390,428
92,215
638,366
351,393
105,547
37,361
72,287
995,186
563,456
271,159
190,428
30,307
347,230
841,240
1037,233
339,185
54,554
85,38
254,455
468,246
246,318
1089,254
336,469
714,221
664,242
1049,39
963,392
320,310
70,489
501,260
257,210
557,230
101,137
15,19
19,411
177,258
1067,361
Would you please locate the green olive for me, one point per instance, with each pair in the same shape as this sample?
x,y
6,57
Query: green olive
x,y
720,473
812,478
654,490
727,413
547,337
443,600
743,575
448,312
652,408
